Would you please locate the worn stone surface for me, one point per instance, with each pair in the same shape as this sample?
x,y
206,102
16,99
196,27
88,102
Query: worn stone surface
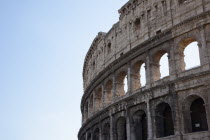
x,y
175,107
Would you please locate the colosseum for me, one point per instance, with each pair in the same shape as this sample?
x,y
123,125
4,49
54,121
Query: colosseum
x,y
118,105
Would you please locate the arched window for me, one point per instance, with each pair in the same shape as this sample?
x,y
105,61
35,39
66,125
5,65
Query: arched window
x,y
96,134
98,99
160,66
121,129
139,126
143,75
164,66
191,52
164,120
138,75
125,82
188,54
108,91
198,116
106,133
121,84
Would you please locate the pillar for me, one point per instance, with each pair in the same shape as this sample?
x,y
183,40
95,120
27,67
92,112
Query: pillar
x,y
149,121
129,79
114,86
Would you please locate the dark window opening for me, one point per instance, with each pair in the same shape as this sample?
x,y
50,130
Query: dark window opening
x,y
198,116
158,32
121,129
137,24
164,121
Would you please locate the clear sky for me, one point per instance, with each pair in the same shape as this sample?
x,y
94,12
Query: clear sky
x,y
42,48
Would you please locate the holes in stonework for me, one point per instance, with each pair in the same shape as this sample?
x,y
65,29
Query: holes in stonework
x,y
109,48
137,24
182,1
158,32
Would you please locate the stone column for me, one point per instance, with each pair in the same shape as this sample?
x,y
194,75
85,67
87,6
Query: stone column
x,y
100,132
128,125
149,121
172,61
111,127
114,86
208,110
175,112
86,136
203,50
93,103
129,79
103,96
148,70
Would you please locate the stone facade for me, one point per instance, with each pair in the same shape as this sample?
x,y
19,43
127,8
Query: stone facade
x,y
176,107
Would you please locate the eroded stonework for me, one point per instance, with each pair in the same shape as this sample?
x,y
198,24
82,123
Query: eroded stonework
x,y
176,107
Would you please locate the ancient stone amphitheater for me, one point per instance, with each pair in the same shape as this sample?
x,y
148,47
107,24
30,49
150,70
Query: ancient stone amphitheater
x,y
175,107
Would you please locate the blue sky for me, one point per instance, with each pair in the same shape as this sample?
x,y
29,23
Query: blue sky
x,y
42,48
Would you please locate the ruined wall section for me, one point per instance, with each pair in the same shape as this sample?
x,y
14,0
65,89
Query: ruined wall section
x,y
139,21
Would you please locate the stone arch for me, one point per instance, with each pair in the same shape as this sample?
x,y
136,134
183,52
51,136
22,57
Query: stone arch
x,y
106,132
121,129
98,99
96,134
164,120
156,74
183,44
139,125
121,77
136,75
195,111
108,91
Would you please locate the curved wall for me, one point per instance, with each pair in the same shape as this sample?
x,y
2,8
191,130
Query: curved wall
x,y
146,31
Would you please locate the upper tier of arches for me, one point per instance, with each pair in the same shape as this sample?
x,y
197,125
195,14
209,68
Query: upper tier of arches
x,y
140,20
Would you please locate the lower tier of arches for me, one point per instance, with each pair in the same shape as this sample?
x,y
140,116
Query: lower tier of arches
x,y
171,112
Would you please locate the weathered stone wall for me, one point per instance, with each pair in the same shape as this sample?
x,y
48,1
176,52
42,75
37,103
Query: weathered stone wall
x,y
145,32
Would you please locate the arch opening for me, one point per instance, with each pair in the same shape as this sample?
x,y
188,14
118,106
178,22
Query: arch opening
x,y
188,54
160,66
198,116
138,75
121,129
108,91
140,125
106,133
96,134
98,99
164,120
122,84
164,66
191,55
